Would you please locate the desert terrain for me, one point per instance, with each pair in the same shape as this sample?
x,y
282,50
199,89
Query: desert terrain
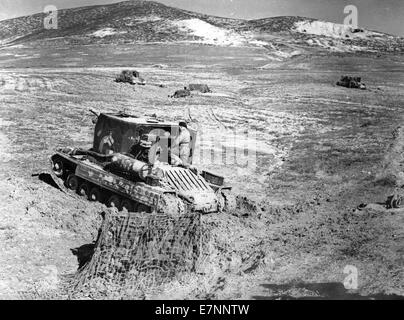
x,y
327,158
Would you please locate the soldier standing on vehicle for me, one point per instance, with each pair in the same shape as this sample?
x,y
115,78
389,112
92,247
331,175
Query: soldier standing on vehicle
x,y
180,150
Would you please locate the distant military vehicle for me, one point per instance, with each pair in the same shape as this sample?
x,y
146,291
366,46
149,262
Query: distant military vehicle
x,y
129,167
131,77
351,82
204,88
181,93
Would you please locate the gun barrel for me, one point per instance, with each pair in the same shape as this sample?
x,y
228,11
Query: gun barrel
x,y
96,113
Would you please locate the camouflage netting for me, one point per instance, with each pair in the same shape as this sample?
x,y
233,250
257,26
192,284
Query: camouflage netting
x,y
135,251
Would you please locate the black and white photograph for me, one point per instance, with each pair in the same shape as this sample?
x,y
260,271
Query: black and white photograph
x,y
211,151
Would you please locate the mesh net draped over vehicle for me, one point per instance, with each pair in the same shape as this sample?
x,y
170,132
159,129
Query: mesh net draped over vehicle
x,y
142,249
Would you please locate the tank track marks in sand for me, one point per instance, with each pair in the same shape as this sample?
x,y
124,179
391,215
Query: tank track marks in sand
x,y
238,206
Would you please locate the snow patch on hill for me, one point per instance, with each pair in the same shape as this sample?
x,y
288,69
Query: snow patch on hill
x,y
210,34
105,32
151,18
333,30
335,45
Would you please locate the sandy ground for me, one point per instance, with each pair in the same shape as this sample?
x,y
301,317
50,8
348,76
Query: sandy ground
x,y
321,151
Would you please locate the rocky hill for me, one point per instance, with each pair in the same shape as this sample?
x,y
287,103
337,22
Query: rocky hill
x,y
148,21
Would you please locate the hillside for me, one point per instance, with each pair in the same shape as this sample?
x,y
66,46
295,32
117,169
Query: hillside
x,y
130,20
148,21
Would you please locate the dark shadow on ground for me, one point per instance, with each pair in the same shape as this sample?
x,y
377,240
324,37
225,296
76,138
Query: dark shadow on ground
x,y
47,178
320,291
84,253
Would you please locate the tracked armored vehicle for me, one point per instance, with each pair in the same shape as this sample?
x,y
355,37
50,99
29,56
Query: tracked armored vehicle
x,y
129,166
130,76
351,82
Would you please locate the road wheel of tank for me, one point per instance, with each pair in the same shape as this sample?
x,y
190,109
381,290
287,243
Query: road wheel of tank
x,y
84,190
128,205
230,201
114,201
58,167
95,194
72,182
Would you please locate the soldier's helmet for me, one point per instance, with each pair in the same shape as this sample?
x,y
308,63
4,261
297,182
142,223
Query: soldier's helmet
x,y
183,124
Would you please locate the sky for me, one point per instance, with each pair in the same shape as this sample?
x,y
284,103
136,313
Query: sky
x,y
381,15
